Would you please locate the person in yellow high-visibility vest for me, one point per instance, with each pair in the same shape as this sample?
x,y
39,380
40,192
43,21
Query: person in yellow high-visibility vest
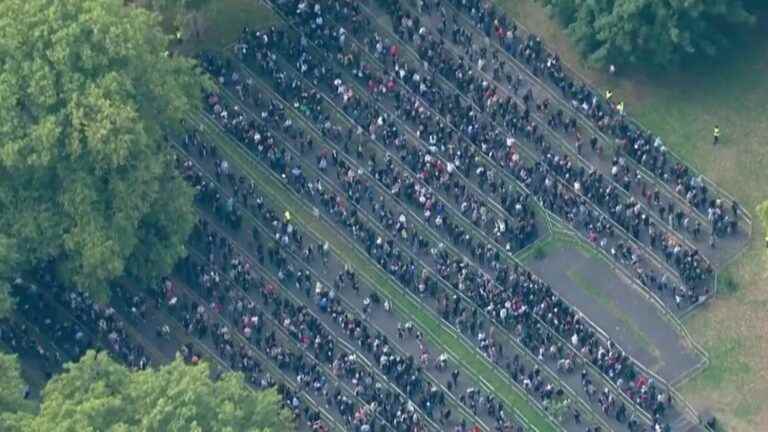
x,y
716,135
608,95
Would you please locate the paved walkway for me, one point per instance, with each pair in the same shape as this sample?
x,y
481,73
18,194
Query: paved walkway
x,y
610,301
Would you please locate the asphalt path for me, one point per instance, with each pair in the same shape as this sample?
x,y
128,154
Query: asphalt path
x,y
623,312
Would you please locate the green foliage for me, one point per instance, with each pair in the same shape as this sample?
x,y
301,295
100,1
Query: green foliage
x,y
97,394
12,385
539,252
560,409
657,32
8,260
726,283
85,90
6,301
183,15
762,213
175,5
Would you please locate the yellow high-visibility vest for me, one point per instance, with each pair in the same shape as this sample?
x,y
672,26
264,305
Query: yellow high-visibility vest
x,y
620,107
608,94
717,132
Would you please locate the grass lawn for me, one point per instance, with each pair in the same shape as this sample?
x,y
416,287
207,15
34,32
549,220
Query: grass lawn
x,y
225,20
219,23
683,107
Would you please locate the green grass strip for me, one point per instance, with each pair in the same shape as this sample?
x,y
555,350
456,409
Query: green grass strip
x,y
466,355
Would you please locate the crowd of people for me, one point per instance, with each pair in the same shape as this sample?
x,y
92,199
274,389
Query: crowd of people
x,y
62,324
73,322
312,333
564,187
402,368
197,299
386,252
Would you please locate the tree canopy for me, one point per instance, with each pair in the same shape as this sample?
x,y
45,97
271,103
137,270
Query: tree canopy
x,y
12,395
6,301
86,90
658,32
97,394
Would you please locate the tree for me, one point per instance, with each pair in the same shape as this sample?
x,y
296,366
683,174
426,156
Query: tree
x,y
6,301
97,394
86,94
658,32
12,396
